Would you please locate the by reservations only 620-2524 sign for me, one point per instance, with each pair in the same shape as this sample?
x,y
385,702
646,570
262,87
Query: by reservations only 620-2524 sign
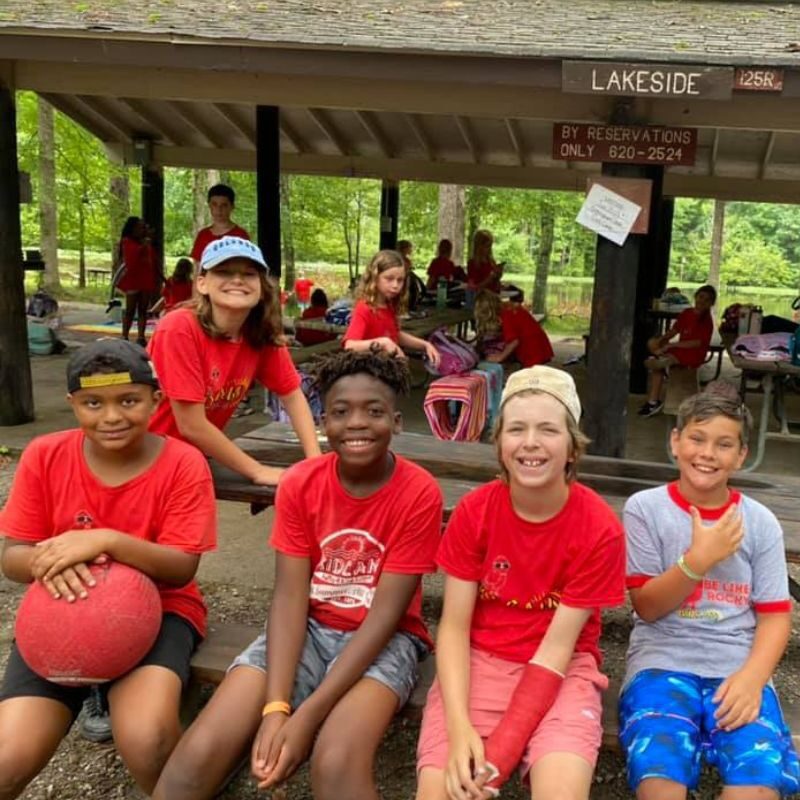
x,y
624,144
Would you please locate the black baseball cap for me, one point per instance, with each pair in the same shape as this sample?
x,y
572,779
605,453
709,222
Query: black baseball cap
x,y
130,362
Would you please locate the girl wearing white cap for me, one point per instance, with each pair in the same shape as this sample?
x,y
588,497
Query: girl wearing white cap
x,y
530,559
207,355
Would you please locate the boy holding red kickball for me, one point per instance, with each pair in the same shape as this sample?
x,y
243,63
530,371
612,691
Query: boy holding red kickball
x,y
107,491
530,559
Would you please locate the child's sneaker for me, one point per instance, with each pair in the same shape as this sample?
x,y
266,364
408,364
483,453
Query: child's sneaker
x,y
95,722
651,408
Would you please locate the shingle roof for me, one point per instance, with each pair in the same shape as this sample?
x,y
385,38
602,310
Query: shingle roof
x,y
643,30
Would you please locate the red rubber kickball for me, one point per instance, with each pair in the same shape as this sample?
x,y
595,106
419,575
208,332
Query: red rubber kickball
x,y
93,640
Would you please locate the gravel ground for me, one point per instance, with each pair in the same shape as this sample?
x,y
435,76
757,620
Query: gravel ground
x,y
84,771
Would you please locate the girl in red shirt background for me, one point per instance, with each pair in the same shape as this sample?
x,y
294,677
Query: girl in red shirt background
x,y
139,276
178,287
511,330
208,354
529,561
483,272
442,266
382,297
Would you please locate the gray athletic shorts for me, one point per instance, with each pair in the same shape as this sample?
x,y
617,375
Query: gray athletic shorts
x,y
395,666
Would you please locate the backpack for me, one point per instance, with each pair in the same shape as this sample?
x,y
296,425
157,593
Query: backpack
x,y
42,305
309,388
456,356
417,291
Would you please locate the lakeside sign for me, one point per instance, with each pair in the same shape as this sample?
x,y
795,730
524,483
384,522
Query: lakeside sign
x,y
624,144
647,80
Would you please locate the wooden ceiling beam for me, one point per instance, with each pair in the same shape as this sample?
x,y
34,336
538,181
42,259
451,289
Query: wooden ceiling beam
x,y
371,126
190,116
514,134
70,107
290,132
465,129
103,107
236,119
326,126
164,131
418,129
762,170
712,162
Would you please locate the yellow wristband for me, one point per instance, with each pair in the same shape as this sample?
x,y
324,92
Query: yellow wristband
x,y
280,706
687,570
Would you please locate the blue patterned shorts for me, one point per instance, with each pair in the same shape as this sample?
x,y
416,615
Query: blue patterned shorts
x,y
667,727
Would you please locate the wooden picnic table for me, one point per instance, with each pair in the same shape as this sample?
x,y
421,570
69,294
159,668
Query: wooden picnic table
x,y
772,377
460,466
421,326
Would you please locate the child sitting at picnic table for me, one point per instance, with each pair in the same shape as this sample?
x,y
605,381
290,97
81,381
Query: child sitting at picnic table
x,y
317,310
708,582
529,561
354,531
177,288
694,328
507,331
442,266
382,297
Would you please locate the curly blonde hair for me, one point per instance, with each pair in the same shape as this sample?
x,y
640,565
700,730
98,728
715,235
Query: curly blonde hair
x,y
487,314
368,288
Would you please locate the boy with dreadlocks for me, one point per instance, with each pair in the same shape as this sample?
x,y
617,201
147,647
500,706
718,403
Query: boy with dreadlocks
x,y
354,531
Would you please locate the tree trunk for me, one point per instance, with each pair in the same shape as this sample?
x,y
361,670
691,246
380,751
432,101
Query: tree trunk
x,y
546,227
286,233
717,238
451,218
200,204
119,208
48,221
82,242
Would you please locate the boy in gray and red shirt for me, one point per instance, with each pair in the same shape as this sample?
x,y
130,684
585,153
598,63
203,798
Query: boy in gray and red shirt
x,y
708,582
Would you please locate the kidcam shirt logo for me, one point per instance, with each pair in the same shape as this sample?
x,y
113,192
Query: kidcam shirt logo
x,y
348,569
83,519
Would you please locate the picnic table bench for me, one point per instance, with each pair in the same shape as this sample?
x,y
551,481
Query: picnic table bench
x,y
95,275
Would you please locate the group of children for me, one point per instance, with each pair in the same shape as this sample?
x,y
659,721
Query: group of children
x,y
530,560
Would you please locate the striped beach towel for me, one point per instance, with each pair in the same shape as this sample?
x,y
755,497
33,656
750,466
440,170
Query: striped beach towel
x,y
468,392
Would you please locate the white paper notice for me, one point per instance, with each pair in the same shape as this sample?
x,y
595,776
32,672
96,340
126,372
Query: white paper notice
x,y
608,214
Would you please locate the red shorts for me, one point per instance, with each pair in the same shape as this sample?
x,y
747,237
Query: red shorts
x,y
572,725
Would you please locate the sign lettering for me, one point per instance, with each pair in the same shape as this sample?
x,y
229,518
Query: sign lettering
x,y
647,80
624,144
758,79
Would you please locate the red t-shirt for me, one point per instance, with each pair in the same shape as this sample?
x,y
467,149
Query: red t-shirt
x,y
140,267
205,236
478,272
351,541
368,322
175,292
441,267
306,336
693,326
534,347
194,368
526,569
170,503
302,289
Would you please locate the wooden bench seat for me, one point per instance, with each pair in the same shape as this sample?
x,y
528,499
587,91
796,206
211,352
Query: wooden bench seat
x,y
226,640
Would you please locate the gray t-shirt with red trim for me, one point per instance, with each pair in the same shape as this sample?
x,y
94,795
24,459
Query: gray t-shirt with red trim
x,y
711,633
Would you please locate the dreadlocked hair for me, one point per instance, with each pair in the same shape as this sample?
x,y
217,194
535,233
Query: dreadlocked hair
x,y
389,369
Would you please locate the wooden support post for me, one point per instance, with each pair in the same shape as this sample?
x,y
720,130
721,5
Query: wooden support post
x,y
153,207
16,386
390,212
268,185
611,335
652,274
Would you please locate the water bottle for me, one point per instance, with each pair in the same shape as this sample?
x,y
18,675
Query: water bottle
x,y
756,316
441,294
794,347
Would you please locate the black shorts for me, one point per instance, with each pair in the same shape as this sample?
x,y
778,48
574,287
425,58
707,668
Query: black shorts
x,y
173,649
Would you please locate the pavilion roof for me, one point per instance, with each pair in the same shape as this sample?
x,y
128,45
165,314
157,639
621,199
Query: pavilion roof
x,y
707,32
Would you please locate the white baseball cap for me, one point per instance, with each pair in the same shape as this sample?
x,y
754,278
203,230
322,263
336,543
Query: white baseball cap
x,y
229,247
555,382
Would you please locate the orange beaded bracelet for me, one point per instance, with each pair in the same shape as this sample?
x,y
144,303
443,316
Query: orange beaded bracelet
x,y
280,706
